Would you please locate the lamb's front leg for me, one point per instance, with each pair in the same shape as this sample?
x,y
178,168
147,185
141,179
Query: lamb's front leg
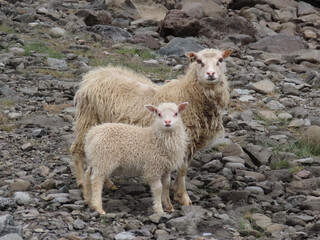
x,y
165,192
96,200
179,185
156,189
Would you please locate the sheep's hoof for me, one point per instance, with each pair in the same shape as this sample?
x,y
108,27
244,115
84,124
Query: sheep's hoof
x,y
101,212
113,187
183,199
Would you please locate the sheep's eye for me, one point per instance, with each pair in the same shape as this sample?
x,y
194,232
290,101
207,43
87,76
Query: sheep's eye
x,y
175,114
159,114
200,62
220,59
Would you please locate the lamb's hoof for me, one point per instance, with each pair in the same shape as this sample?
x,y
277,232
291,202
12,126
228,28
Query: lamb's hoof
x,y
101,212
113,188
80,185
169,208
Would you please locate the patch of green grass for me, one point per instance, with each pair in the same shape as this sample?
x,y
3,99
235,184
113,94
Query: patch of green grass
x,y
7,127
145,54
55,73
304,149
7,103
280,164
7,29
42,48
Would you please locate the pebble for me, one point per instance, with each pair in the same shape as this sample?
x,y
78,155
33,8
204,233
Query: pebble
x,y
254,190
125,236
22,198
79,224
20,185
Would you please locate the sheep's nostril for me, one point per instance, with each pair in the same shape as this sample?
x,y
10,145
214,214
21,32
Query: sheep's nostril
x,y
167,121
211,73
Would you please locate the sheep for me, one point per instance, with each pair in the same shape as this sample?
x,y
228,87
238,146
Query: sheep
x,y
110,94
150,152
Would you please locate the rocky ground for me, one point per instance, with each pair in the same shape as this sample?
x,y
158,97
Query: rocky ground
x,y
261,182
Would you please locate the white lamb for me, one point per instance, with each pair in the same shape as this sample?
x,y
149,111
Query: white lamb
x,y
150,152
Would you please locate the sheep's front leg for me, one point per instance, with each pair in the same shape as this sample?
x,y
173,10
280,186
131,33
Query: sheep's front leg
x,y
97,185
165,180
87,191
179,186
156,189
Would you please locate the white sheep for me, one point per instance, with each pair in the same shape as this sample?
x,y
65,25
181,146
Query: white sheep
x,y
150,152
117,94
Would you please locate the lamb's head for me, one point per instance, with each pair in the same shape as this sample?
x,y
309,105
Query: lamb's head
x,y
167,115
209,65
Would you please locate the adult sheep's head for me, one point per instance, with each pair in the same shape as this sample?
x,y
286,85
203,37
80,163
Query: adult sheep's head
x,y
209,65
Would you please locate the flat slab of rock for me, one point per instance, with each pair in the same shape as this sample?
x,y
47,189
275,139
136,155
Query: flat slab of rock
x,y
280,43
264,86
180,46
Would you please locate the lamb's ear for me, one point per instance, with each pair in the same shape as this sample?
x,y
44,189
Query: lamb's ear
x,y
192,56
151,108
183,106
226,53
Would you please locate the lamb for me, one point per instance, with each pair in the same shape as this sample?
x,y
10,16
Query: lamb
x,y
151,152
111,94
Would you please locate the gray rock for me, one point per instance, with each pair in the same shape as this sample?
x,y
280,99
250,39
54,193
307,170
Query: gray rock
x,y
258,154
312,204
125,236
116,34
58,32
283,175
213,166
6,203
285,116
235,196
7,226
306,9
297,123
20,185
79,224
22,198
312,135
16,50
11,236
264,86
309,55
254,190
235,165
233,159
180,46
268,115
184,224
279,43
7,91
275,105
58,64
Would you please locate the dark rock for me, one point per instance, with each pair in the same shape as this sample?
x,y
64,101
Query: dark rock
x,y
283,175
179,24
95,17
6,203
312,204
259,155
110,32
180,46
236,197
280,43
242,39
213,166
146,40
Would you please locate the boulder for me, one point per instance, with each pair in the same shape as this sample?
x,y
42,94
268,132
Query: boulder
x,y
312,135
180,46
179,24
210,8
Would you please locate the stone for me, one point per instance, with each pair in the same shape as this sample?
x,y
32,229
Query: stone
x,y
180,46
275,105
17,50
268,115
235,165
309,34
116,34
312,204
22,198
124,236
285,116
306,9
79,224
146,40
95,17
258,154
246,98
58,32
312,135
11,236
213,166
279,175
305,184
295,123
211,8
6,203
178,24
184,224
20,185
27,147
286,14
233,159
309,55
254,190
264,86
254,175
14,115
279,43
58,64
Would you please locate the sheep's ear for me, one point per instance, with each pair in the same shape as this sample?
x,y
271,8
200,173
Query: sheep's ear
x,y
226,53
192,56
183,106
151,108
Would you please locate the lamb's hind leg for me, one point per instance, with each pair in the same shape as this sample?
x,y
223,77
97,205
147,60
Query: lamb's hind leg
x,y
87,187
179,185
165,192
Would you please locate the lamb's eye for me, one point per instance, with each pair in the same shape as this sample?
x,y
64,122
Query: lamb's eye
x,y
159,114
175,114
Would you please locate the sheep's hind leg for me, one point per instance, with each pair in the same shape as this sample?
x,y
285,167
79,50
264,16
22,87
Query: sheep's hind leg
x,y
97,185
78,158
179,186
110,185
165,192
156,189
